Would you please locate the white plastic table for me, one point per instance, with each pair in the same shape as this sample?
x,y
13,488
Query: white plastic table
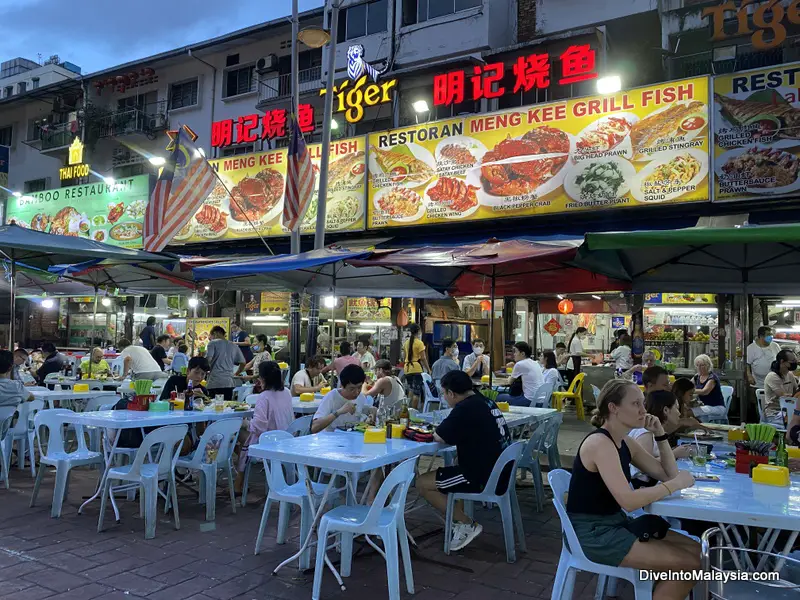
x,y
517,416
113,420
68,382
49,396
303,408
340,453
736,500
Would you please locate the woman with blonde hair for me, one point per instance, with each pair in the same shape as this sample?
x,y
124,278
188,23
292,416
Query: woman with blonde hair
x,y
707,390
600,493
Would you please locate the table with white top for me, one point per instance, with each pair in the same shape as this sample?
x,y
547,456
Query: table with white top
x,y
68,382
736,500
516,416
50,396
114,420
298,406
342,454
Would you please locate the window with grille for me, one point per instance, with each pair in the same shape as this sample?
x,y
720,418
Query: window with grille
x,y
239,81
183,94
362,19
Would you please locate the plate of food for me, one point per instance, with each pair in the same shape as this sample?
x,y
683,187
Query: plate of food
x,y
409,165
115,211
256,200
672,124
126,232
39,222
186,231
99,235
762,169
399,204
670,177
136,209
606,178
211,222
769,118
66,222
606,134
458,152
346,171
343,210
451,198
530,164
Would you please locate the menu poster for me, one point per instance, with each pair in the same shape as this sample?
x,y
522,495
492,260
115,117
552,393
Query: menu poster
x,y
249,199
756,137
646,146
112,214
199,330
369,309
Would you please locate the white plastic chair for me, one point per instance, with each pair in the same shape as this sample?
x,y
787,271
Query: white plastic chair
x,y
386,522
162,445
544,395
760,396
529,460
229,430
572,557
300,427
285,494
251,399
788,405
56,455
6,415
595,392
241,391
428,394
22,433
727,396
508,503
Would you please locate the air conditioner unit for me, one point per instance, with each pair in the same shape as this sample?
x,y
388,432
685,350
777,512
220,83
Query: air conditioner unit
x,y
267,64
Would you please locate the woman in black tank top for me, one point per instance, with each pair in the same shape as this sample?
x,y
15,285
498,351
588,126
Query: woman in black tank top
x,y
600,494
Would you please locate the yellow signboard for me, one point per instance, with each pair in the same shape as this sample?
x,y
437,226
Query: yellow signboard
x,y
271,306
369,309
75,167
253,192
647,146
200,330
756,148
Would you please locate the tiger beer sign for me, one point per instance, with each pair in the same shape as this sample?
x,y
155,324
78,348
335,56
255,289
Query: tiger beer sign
x,y
769,21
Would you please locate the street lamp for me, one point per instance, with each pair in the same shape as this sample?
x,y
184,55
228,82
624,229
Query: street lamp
x,y
193,302
610,84
314,37
157,161
420,106
106,301
47,303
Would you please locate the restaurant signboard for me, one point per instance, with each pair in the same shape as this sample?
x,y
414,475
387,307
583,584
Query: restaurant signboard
x,y
647,146
253,200
756,136
105,213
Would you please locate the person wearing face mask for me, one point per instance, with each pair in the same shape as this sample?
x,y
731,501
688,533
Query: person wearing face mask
x,y
261,351
476,364
448,362
760,356
779,383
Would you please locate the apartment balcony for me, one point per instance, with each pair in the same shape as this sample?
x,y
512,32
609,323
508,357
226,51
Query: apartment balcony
x,y
146,120
278,87
51,138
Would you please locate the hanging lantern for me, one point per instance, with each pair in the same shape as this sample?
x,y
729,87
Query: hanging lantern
x,y
486,305
565,307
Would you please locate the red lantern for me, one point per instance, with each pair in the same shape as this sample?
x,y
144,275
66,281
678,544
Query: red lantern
x,y
565,307
486,305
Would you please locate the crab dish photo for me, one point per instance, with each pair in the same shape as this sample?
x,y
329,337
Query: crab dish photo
x,y
255,196
502,174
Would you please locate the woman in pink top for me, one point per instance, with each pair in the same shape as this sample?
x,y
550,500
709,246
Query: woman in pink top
x,y
273,410
345,359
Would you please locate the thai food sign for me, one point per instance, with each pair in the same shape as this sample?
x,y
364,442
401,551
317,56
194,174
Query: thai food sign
x,y
647,146
757,133
249,199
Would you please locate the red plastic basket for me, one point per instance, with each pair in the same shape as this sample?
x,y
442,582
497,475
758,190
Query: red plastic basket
x,y
141,402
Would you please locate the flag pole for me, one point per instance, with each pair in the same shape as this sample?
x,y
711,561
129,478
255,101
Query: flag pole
x,y
294,311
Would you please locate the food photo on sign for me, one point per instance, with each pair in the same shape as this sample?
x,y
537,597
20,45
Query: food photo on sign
x,y
640,147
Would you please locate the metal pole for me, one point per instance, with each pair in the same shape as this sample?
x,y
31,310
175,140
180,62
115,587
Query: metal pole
x,y
93,330
491,330
294,304
12,290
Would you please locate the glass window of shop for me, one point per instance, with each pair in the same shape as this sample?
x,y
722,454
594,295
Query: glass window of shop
x,y
419,11
362,19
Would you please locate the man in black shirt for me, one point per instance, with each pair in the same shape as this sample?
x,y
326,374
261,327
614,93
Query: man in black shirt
x,y
478,430
159,353
196,372
53,363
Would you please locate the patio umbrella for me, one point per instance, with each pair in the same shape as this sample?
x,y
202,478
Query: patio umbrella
x,y
42,250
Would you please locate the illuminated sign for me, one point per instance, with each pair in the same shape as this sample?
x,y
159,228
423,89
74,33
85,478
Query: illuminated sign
x,y
768,30
75,165
530,72
245,129
172,134
352,100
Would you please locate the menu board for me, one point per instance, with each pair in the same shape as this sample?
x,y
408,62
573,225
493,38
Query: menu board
x,y
200,330
646,146
369,309
683,298
756,139
250,196
106,213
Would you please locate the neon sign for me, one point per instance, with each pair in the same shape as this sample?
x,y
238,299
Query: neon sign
x,y
75,165
245,129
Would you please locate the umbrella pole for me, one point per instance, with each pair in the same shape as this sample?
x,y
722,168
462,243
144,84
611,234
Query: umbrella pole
x,y
93,330
491,326
13,291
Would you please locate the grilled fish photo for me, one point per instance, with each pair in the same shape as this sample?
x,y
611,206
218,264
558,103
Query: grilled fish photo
x,y
743,112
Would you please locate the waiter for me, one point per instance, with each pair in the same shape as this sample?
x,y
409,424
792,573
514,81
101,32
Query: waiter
x,y
760,355
242,339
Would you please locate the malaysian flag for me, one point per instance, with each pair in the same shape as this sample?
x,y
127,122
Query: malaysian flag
x,y
179,193
299,180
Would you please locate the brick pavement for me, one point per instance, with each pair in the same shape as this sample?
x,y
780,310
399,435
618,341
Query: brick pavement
x,y
67,559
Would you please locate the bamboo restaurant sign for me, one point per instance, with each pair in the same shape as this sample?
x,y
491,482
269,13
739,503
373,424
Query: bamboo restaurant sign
x,y
768,29
352,100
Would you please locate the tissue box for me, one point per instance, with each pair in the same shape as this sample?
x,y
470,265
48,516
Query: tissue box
x,y
325,390
159,406
375,435
793,451
737,435
307,397
503,406
396,430
80,387
283,365
771,475
485,379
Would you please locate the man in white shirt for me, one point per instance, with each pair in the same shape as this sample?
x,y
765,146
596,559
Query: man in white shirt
x,y
760,356
476,364
526,372
310,379
343,405
138,363
363,354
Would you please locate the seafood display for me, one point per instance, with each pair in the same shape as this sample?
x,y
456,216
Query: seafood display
x,y
663,125
402,167
254,197
400,203
454,193
763,168
515,177
677,172
212,218
606,135
347,170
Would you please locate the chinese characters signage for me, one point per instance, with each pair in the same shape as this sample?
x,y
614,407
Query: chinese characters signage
x,y
641,147
251,128
253,192
75,167
530,72
767,18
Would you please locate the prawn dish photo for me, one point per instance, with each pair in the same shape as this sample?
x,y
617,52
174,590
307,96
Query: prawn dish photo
x,y
400,203
215,220
516,177
254,197
764,168
454,193
607,135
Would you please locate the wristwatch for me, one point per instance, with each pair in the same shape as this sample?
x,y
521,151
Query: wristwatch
x,y
661,438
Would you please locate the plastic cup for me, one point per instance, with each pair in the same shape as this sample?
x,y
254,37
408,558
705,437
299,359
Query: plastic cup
x,y
219,403
700,457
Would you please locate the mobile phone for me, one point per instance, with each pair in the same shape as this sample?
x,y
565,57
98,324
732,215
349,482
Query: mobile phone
x,y
705,477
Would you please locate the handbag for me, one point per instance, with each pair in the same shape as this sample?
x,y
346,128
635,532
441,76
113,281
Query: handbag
x,y
515,389
647,527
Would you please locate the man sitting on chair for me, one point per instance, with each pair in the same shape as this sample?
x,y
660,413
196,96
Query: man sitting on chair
x,y
477,429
